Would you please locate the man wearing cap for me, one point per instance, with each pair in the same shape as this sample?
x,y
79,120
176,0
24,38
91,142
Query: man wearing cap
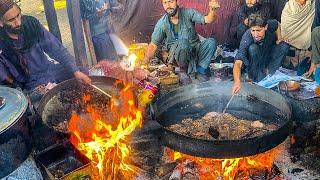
x,y
177,30
25,46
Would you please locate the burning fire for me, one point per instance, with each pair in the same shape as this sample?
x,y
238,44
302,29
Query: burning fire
x,y
105,141
237,168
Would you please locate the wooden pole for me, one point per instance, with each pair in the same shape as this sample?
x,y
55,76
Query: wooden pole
x,y
87,32
79,46
52,19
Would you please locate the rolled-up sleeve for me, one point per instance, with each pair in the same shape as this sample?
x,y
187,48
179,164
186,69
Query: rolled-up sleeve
x,y
196,16
242,54
158,34
54,48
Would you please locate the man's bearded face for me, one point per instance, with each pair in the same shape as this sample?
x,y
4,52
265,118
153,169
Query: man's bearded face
x,y
170,6
12,20
251,3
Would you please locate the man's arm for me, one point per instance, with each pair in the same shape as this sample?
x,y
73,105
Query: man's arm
x,y
54,48
279,35
212,15
157,38
241,58
151,50
236,76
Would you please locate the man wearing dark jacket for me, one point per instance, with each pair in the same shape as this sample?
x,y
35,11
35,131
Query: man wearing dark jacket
x,y
25,46
239,24
262,50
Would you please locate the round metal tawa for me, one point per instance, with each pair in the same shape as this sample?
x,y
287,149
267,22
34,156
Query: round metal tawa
x,y
13,104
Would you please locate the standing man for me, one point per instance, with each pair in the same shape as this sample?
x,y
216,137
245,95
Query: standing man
x,y
240,23
25,44
98,12
177,30
296,22
262,50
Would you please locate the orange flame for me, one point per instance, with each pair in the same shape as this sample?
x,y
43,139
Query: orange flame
x,y
237,168
105,141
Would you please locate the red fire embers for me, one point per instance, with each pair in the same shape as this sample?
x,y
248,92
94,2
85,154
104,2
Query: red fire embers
x,y
237,168
105,141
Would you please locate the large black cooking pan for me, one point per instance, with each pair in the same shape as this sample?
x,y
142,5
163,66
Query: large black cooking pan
x,y
50,103
268,106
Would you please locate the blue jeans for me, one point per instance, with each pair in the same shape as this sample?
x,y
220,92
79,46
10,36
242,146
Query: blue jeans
x,y
262,61
103,47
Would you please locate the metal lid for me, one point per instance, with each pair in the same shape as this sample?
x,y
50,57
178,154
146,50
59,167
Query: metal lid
x,y
14,107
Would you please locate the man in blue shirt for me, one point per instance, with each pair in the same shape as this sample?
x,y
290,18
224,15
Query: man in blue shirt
x,y
25,46
97,12
261,50
177,30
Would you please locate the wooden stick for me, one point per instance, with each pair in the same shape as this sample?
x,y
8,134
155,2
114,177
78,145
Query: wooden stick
x,y
87,32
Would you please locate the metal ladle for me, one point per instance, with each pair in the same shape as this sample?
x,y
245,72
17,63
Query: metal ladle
x,y
215,133
225,109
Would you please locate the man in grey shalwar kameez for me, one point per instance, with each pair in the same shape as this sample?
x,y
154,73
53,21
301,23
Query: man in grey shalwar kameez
x,y
177,30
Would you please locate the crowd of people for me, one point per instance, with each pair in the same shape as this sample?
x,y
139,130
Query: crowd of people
x,y
263,42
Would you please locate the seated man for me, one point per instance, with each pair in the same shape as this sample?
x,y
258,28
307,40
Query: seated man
x,y
97,12
261,50
177,29
25,44
240,25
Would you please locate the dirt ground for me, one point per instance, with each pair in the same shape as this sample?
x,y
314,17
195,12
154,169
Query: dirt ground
x,y
35,8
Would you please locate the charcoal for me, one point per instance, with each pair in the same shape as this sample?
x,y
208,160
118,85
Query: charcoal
x,y
165,169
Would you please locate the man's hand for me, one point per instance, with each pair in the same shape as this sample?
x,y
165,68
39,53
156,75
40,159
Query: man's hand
x,y
82,77
312,69
214,4
282,39
100,11
236,87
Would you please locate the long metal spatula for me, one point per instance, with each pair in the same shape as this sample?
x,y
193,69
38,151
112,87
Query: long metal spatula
x,y
100,90
215,132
